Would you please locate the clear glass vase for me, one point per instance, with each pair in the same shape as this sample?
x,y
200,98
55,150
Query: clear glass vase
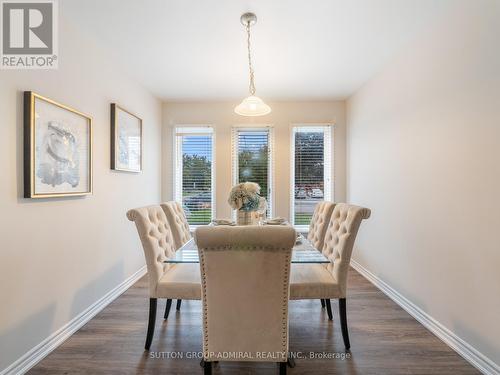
x,y
247,217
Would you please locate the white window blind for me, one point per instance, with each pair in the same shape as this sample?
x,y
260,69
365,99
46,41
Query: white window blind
x,y
311,170
252,159
194,173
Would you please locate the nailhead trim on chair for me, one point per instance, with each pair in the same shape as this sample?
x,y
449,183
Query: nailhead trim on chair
x,y
286,286
204,301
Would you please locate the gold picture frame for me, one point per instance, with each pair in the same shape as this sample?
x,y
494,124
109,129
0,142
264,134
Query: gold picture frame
x,y
57,149
126,140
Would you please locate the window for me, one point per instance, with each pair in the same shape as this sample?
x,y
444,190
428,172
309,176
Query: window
x,y
252,159
311,170
194,173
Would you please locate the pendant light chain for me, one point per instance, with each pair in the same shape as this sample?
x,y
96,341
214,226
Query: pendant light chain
x,y
251,86
252,105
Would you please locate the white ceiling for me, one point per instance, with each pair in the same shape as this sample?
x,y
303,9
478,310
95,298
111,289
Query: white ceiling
x,y
303,49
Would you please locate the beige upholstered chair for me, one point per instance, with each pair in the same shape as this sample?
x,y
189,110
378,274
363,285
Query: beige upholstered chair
x,y
179,281
319,223
178,222
249,266
179,226
310,281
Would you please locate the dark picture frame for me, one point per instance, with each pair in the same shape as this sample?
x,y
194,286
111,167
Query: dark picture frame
x,y
126,140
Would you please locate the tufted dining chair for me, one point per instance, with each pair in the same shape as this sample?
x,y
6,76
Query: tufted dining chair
x,y
178,222
179,226
311,281
170,281
249,266
319,223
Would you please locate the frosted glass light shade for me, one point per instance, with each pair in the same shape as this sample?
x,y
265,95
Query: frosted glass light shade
x,y
252,106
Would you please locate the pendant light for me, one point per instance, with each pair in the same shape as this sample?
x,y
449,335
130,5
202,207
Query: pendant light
x,y
251,105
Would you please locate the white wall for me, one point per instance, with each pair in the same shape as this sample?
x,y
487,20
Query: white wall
x,y
222,117
424,155
58,256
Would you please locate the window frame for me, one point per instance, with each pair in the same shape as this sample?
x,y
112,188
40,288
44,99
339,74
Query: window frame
x,y
235,161
329,170
192,129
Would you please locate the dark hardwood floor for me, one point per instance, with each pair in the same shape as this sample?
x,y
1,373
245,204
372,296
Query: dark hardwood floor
x,y
384,340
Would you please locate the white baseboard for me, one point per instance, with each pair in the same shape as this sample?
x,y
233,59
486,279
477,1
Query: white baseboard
x,y
36,354
467,351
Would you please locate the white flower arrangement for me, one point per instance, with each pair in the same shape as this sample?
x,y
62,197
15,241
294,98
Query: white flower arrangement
x,y
246,197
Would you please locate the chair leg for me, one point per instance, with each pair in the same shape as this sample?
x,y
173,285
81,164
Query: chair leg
x,y
329,309
322,303
207,368
282,368
167,308
343,322
151,323
178,307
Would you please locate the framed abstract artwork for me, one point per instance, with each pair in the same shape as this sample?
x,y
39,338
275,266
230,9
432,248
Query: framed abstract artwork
x,y
126,140
57,149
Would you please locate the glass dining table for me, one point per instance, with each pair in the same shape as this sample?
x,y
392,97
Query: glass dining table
x,y
303,252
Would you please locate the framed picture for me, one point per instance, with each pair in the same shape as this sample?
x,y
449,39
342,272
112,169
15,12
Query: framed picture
x,y
126,140
57,149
